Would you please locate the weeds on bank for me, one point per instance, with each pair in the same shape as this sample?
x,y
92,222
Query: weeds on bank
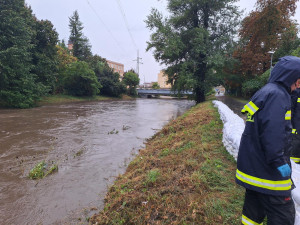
x,y
40,170
184,176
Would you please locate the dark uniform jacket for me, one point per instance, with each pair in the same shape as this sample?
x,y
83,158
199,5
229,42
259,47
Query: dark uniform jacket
x,y
295,151
296,110
266,139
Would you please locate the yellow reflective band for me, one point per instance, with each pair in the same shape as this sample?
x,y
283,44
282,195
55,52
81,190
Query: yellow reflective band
x,y
288,115
294,131
250,108
298,100
282,185
296,160
246,220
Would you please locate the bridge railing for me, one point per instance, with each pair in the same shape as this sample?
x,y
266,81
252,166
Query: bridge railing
x,y
161,92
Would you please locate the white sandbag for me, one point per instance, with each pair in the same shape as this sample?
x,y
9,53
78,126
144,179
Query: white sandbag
x,y
296,191
233,128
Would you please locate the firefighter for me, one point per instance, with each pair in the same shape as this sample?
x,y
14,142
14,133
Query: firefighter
x,y
295,151
263,164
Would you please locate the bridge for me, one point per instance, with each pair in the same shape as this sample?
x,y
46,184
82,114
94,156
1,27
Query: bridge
x,y
167,92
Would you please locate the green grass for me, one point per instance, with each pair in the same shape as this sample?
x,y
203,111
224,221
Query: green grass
x,y
152,176
60,99
56,99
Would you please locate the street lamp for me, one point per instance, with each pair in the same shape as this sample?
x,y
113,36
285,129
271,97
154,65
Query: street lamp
x,y
271,52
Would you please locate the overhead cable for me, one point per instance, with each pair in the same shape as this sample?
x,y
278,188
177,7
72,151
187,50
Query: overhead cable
x,y
106,27
126,23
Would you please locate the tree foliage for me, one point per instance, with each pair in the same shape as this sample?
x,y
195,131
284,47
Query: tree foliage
x,y
192,40
81,46
109,80
18,86
266,29
155,85
131,79
64,59
45,54
80,80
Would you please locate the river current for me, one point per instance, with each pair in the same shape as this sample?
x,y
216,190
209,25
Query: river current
x,y
91,142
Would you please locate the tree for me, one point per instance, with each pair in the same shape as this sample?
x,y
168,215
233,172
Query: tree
x,y
80,80
81,46
45,54
131,79
18,86
155,85
267,28
192,40
288,42
64,59
110,81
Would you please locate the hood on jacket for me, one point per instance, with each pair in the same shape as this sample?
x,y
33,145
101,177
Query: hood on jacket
x,y
286,71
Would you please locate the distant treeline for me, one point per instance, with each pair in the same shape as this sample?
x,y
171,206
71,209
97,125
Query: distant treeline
x,y
34,63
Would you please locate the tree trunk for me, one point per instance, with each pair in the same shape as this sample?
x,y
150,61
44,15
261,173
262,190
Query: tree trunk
x,y
199,95
201,69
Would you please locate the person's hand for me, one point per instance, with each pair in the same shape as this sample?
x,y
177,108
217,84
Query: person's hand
x,y
285,170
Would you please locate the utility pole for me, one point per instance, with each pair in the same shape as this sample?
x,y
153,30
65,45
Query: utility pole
x,y
138,64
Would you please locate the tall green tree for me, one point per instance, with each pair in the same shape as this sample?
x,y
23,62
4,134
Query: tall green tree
x,y
18,86
45,57
81,46
192,39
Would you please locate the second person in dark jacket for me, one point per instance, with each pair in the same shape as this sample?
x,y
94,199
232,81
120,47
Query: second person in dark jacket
x,y
295,151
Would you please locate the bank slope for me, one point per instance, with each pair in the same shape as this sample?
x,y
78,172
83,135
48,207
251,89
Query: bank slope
x,y
183,176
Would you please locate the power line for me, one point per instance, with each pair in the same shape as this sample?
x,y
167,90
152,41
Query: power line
x,y
106,27
126,23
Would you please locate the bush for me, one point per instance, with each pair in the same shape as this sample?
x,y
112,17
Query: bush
x,y
80,80
112,86
252,86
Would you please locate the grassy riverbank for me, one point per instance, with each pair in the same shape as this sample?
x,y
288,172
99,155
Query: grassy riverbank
x,y
59,99
183,176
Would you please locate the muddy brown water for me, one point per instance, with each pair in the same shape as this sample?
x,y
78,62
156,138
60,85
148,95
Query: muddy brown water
x,y
91,142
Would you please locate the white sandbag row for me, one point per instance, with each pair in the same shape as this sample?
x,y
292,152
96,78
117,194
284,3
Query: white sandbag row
x,y
233,128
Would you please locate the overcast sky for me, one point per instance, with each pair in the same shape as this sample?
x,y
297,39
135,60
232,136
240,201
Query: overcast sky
x,y
115,28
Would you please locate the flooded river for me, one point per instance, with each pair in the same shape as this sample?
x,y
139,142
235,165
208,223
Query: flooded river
x,y
91,142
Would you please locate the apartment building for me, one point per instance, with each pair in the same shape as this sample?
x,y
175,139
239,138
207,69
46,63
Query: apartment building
x,y
117,67
162,80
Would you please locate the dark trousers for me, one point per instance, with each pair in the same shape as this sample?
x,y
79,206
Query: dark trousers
x,y
279,210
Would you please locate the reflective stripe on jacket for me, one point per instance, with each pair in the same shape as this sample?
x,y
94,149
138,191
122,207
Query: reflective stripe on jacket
x,y
295,159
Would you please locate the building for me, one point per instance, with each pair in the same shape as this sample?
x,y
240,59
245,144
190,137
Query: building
x,y
117,67
147,85
162,80
70,45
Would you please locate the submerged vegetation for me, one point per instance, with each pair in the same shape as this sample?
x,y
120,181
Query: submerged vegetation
x,y
183,176
41,170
